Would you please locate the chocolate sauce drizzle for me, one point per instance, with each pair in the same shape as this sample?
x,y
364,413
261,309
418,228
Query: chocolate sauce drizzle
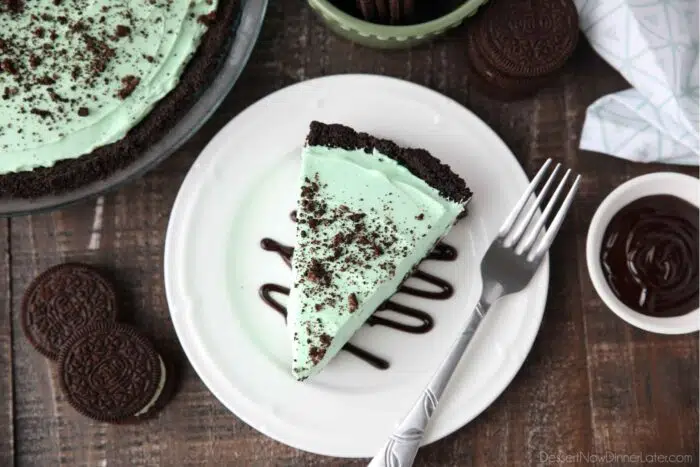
x,y
424,322
266,291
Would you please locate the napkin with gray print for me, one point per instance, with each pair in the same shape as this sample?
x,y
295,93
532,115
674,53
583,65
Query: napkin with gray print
x,y
654,45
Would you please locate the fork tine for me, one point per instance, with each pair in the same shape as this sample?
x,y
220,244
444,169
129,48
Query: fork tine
x,y
521,226
510,220
544,244
530,238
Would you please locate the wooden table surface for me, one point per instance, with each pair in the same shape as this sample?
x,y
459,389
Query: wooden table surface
x,y
592,385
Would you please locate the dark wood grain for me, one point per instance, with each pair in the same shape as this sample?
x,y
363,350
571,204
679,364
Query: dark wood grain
x,y
591,385
6,355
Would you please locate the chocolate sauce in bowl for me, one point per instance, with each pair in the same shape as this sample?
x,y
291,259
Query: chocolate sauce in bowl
x,y
649,256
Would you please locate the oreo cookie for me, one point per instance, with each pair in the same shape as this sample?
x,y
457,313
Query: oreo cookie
x,y
367,8
514,48
61,301
528,38
387,11
111,373
495,84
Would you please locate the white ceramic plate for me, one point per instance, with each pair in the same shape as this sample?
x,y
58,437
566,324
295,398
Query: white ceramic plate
x,y
243,187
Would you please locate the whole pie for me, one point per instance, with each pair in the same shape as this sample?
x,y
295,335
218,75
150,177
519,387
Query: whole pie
x,y
87,86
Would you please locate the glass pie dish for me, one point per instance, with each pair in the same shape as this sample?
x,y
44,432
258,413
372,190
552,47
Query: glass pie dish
x,y
245,34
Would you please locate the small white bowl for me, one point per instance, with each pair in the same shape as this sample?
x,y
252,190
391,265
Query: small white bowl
x,y
663,183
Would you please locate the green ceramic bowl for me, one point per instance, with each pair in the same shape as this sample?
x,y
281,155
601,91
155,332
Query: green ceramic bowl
x,y
390,37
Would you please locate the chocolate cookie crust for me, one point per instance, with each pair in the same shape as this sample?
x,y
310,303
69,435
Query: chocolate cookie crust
x,y
70,174
418,161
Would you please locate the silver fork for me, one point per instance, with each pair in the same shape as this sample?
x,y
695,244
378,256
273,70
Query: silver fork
x,y
508,266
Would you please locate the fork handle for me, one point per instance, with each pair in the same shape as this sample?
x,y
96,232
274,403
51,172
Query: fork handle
x,y
401,448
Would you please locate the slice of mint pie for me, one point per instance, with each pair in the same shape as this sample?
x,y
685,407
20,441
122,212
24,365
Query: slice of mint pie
x,y
369,211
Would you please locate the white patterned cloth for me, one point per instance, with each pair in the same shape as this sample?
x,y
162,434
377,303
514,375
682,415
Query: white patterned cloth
x,y
654,45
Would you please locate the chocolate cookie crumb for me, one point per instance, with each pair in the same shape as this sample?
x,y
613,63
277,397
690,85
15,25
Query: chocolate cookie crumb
x,y
9,92
352,302
101,52
55,97
316,354
14,6
9,66
83,112
129,83
122,31
317,273
46,80
79,26
42,113
207,19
